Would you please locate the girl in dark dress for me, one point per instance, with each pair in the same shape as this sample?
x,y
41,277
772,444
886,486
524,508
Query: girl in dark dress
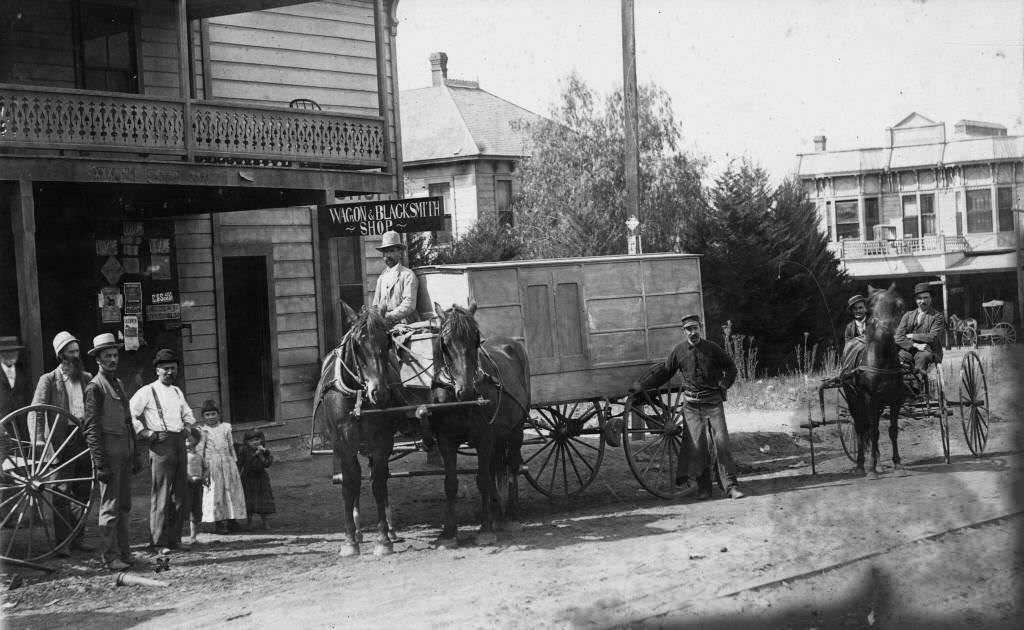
x,y
253,461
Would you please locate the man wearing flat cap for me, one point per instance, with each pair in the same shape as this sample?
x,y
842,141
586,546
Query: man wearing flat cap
x,y
161,417
920,331
707,371
64,387
397,285
108,432
853,336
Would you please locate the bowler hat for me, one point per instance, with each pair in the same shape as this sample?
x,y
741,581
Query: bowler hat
x,y
61,341
691,317
102,342
10,343
253,433
164,355
209,405
922,287
391,239
854,300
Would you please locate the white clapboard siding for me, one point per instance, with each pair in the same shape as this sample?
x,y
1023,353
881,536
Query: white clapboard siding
x,y
194,250
39,50
158,45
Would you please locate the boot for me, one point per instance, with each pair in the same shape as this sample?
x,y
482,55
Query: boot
x,y
108,550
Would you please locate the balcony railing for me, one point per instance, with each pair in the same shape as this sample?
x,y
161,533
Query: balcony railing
x,y
937,244
50,118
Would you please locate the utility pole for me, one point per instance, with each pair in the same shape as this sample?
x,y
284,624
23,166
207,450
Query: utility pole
x,y
632,121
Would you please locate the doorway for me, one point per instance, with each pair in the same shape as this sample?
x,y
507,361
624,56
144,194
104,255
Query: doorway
x,y
247,339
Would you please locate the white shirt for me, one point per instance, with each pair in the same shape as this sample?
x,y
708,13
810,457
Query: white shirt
x,y
10,371
75,391
146,414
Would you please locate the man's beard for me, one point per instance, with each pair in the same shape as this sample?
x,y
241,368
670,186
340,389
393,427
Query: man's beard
x,y
73,368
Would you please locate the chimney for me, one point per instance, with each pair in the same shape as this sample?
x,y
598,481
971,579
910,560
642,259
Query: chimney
x,y
438,68
819,143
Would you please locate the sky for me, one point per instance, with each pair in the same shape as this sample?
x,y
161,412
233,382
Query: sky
x,y
753,78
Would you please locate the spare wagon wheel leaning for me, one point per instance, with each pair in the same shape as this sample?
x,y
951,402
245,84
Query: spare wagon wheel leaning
x,y
571,446
37,465
974,407
652,439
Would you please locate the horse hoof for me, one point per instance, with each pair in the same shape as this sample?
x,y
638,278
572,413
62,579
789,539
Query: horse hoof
x,y
380,549
447,543
394,537
512,526
348,550
336,479
857,471
484,539
359,537
897,466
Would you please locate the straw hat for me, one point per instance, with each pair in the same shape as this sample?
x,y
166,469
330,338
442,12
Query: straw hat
x,y
102,342
61,341
10,343
391,239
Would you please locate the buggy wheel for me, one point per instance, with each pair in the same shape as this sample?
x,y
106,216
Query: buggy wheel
x,y
1004,333
974,403
45,465
571,447
844,427
652,439
936,394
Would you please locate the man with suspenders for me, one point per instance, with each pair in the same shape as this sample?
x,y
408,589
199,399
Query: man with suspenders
x,y
161,416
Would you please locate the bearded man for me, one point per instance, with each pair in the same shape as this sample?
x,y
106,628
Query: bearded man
x,y
64,387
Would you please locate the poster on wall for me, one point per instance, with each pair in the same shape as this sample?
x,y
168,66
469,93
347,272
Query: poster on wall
x,y
132,298
131,332
160,266
106,247
110,303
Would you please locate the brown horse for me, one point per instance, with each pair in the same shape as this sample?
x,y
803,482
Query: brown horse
x,y
353,378
878,381
465,367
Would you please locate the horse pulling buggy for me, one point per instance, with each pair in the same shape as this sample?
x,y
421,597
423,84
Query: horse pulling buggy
x,y
589,327
882,380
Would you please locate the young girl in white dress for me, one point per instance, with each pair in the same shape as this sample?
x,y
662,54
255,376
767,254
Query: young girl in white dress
x,y
224,499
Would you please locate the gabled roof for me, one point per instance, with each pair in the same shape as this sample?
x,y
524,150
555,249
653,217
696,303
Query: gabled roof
x,y
460,120
914,120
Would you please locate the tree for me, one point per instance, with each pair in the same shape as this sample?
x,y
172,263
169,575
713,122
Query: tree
x,y
487,240
766,267
572,201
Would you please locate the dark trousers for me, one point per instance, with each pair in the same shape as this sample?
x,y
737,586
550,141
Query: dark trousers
x,y
170,499
116,496
921,358
69,512
700,416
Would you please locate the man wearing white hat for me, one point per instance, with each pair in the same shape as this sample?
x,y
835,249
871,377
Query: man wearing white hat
x,y
397,286
111,440
64,387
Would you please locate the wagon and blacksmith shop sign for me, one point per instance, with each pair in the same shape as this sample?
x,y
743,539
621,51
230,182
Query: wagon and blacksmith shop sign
x,y
422,214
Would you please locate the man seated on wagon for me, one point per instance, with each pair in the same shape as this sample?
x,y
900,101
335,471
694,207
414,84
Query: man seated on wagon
x,y
397,286
707,371
920,332
853,336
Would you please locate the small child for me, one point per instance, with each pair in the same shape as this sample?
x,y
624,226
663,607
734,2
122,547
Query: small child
x,y
224,499
253,461
198,476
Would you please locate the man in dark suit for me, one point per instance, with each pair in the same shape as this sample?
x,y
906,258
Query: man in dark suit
x,y
853,336
15,386
920,331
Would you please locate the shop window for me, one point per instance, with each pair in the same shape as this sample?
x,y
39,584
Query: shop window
x,y
979,211
442,190
106,36
503,202
928,215
847,220
870,214
911,216
1004,198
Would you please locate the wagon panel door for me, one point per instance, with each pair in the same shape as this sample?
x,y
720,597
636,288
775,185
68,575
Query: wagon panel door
x,y
538,311
570,333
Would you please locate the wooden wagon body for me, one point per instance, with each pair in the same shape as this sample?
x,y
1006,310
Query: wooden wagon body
x,y
591,325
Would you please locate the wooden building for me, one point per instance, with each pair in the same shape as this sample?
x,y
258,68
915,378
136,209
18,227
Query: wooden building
x,y
463,144
160,168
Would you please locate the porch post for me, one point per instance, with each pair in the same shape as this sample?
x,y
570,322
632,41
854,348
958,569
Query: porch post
x,y
184,76
945,305
23,226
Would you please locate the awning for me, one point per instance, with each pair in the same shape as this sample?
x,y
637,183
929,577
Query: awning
x,y
1006,261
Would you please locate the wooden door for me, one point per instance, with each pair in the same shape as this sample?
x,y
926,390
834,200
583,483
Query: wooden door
x,y
248,343
346,278
554,326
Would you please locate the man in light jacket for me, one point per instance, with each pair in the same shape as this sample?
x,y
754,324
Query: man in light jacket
x,y
397,285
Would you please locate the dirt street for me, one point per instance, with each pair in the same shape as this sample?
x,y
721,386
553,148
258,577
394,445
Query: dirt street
x,y
934,545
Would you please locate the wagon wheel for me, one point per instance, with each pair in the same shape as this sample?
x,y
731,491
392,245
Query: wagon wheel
x,y
936,394
1004,333
37,466
571,447
844,427
974,403
652,439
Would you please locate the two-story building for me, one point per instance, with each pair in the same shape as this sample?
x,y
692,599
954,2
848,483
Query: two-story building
x,y
160,168
463,144
925,207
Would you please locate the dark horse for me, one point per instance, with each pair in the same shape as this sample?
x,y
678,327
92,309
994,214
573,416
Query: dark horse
x,y
466,367
353,378
878,381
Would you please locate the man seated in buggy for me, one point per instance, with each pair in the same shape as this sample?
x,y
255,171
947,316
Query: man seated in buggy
x,y
920,333
853,336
